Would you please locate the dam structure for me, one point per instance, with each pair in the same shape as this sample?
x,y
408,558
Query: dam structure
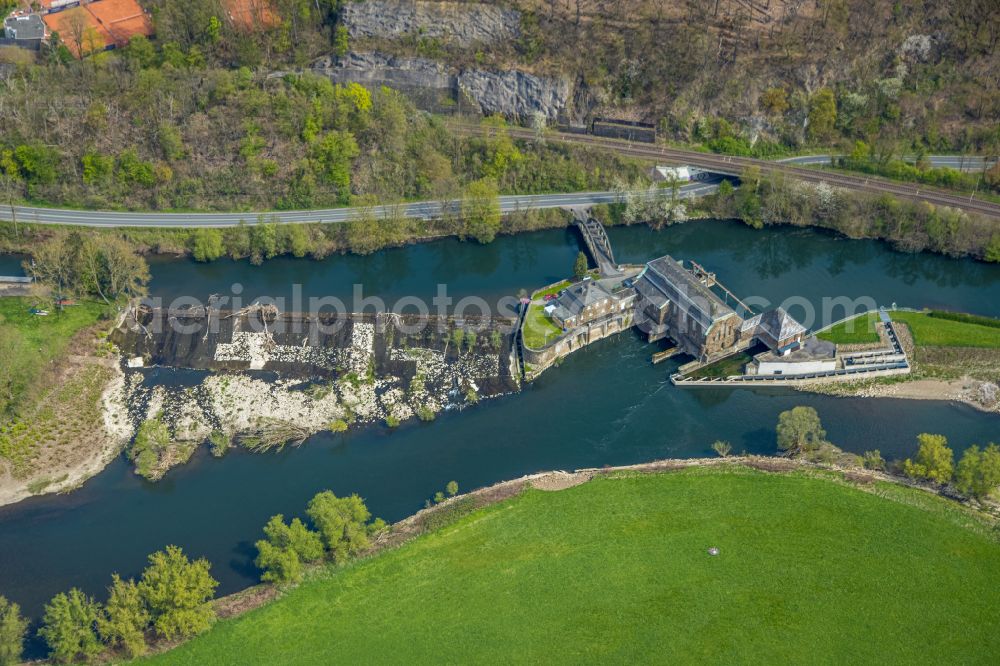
x,y
684,303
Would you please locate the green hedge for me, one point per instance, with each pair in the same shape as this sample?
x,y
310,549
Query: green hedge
x,y
966,318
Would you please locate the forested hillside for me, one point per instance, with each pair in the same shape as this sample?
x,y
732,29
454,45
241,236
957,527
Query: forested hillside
x,y
219,110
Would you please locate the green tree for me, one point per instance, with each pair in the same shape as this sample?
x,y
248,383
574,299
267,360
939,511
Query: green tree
x,y
978,472
141,51
56,262
774,101
39,164
125,619
171,142
723,449
333,155
297,240
207,245
176,591
873,460
580,266
135,171
993,249
263,242
279,565
934,460
451,488
12,630
111,268
285,547
97,168
481,210
362,232
800,430
69,627
342,522
501,152
340,41
822,115
213,32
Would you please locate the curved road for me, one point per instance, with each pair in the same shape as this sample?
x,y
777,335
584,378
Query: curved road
x,y
717,164
733,165
423,209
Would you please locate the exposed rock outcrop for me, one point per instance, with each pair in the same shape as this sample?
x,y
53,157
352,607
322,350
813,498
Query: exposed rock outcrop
x,y
460,24
514,93
429,84
433,86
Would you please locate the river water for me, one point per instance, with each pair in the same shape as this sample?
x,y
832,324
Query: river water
x,y
605,405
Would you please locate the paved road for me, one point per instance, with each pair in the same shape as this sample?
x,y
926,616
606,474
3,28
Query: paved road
x,y
424,209
508,204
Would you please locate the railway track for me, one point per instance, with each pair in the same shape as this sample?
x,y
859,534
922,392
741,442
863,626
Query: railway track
x,y
734,166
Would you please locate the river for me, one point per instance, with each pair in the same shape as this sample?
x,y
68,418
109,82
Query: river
x,y
605,405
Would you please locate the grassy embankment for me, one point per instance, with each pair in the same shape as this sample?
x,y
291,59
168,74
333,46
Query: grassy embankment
x,y
943,347
539,328
810,571
47,403
928,331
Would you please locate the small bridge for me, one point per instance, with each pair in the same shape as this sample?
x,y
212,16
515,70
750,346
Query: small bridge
x,y
597,242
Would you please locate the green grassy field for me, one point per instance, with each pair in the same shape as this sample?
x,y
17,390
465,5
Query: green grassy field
x,y
46,337
539,327
33,341
935,332
733,365
927,331
859,330
617,570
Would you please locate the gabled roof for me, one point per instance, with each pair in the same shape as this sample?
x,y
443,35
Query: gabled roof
x,y
676,284
576,297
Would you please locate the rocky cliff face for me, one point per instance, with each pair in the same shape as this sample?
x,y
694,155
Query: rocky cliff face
x,y
460,24
513,93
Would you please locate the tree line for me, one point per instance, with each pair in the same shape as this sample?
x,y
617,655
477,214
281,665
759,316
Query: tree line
x,y
976,475
172,598
910,226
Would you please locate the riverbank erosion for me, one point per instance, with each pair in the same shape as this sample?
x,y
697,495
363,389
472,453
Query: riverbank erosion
x,y
724,538
264,379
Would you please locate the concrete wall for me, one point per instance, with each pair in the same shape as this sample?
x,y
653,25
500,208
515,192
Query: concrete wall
x,y
542,359
808,367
